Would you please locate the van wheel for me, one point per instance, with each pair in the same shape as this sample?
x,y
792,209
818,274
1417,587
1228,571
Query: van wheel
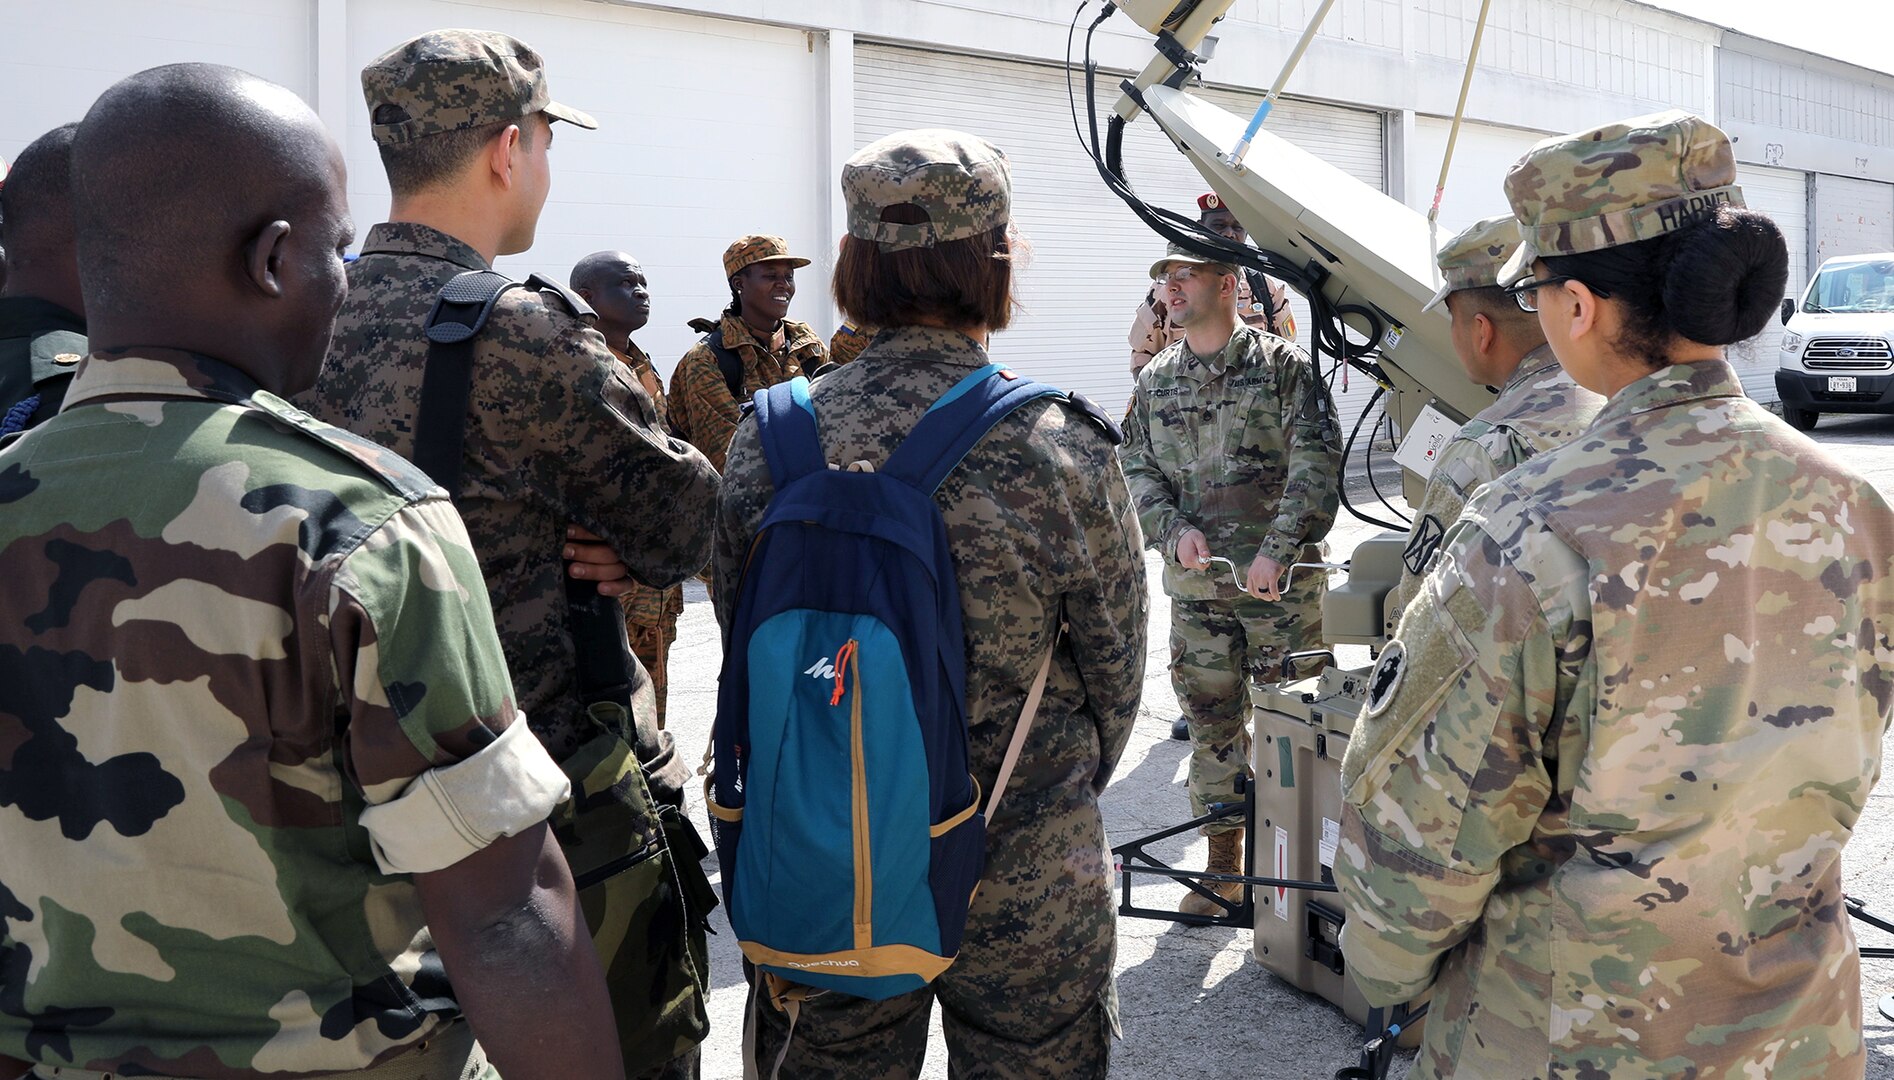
x,y
1800,419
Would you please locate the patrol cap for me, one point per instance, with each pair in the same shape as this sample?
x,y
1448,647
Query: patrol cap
x,y
450,80
961,182
755,249
1617,184
1472,259
1178,254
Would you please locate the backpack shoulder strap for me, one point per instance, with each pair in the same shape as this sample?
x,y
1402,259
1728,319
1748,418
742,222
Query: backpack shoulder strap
x,y
786,427
728,363
440,425
958,421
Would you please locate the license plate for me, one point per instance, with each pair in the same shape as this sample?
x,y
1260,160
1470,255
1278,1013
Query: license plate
x,y
1841,384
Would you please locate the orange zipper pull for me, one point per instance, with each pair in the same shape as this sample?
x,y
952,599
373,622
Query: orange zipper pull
x,y
842,656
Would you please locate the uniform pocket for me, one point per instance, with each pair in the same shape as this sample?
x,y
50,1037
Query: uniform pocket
x,y
957,858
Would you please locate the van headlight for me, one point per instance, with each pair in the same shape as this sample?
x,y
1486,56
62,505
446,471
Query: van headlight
x,y
1792,342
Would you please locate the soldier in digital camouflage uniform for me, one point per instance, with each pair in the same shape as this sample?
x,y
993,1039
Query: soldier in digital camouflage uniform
x,y
772,347
557,432
1230,452
42,319
1598,797
1538,407
1041,529
614,284
262,774
1151,328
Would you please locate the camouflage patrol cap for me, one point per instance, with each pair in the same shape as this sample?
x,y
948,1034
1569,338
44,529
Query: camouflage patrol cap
x,y
961,182
1176,253
755,249
449,80
1472,259
1617,184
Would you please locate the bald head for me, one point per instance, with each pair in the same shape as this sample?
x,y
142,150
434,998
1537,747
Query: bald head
x,y
614,284
36,221
211,216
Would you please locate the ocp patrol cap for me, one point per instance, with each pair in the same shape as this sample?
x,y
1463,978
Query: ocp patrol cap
x,y
960,182
1634,180
451,80
1472,259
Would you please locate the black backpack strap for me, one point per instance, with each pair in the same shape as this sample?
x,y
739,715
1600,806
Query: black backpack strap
x,y
728,362
440,427
602,655
1260,294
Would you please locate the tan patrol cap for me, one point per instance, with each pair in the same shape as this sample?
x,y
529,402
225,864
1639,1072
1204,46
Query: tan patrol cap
x,y
1618,184
1472,259
450,80
755,249
960,181
1177,254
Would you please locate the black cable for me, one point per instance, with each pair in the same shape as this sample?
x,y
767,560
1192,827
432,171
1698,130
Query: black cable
x,y
1349,451
1368,456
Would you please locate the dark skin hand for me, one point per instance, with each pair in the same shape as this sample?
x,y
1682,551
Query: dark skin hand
x,y
766,288
507,923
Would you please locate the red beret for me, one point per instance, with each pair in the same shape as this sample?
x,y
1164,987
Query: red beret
x,y
1209,201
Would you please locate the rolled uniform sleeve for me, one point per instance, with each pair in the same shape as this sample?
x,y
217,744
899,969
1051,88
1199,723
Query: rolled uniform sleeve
x,y
1311,490
1153,494
434,743
597,448
1448,768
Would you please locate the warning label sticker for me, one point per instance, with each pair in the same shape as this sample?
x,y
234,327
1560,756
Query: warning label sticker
x,y
1331,836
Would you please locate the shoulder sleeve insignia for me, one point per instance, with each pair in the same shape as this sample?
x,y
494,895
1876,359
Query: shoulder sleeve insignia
x,y
1386,677
1423,544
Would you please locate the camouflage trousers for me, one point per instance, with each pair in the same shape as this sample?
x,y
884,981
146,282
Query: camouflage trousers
x,y
1217,648
1030,995
652,646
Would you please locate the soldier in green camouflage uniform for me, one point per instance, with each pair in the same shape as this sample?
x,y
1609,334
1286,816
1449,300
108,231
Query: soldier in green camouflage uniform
x,y
42,320
557,432
1598,796
1233,453
1538,406
258,749
1041,528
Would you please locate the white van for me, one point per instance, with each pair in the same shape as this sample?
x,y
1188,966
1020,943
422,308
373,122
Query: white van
x,y
1838,349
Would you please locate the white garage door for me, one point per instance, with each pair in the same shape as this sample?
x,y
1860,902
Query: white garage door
x,y
1782,194
1091,255
682,163
1851,217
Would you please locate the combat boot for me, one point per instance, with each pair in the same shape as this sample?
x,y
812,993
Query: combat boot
x,y
1226,857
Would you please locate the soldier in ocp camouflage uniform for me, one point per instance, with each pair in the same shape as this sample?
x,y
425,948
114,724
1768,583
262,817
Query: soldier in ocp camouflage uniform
x,y
558,432
771,347
1266,309
1230,452
1538,406
262,776
1598,796
1041,529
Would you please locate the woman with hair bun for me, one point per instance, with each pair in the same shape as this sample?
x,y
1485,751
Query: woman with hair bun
x,y
1598,796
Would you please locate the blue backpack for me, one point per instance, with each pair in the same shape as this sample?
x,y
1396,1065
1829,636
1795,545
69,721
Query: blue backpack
x,y
848,828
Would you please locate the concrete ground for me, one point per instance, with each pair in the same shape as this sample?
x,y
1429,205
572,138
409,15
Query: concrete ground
x,y
1194,1002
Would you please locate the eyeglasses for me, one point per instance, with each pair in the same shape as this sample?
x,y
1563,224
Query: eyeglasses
x,y
1526,293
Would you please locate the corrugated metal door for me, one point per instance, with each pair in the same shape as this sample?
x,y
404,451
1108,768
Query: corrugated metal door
x,y
1091,256
1783,194
1851,217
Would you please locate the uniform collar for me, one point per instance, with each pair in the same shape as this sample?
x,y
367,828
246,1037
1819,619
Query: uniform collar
x,y
930,343
1230,356
414,238
143,372
796,336
1532,366
1675,384
36,316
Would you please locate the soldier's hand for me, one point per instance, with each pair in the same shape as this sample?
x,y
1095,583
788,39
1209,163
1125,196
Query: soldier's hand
x,y
1193,551
1264,573
591,559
